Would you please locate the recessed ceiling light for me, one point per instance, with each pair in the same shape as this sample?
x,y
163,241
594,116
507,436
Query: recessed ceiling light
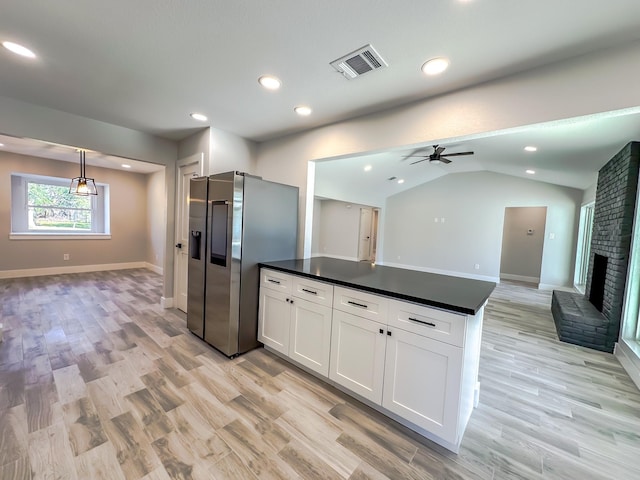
x,y
269,82
531,172
1,144
401,181
18,49
303,110
531,148
199,116
435,66
366,168
124,165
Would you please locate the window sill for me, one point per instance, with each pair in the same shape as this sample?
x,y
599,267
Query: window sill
x,y
59,236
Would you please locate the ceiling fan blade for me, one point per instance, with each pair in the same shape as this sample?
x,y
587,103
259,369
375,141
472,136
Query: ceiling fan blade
x,y
456,154
438,150
418,161
441,159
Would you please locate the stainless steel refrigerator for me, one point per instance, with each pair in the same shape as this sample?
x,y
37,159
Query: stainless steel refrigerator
x,y
236,220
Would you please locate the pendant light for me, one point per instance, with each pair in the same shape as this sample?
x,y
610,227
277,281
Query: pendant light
x,y
82,185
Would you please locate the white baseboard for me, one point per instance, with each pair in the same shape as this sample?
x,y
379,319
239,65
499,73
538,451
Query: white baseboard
x,y
166,302
39,272
549,286
629,357
339,257
153,268
472,276
519,278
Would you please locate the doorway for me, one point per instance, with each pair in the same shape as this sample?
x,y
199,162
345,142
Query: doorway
x,y
522,243
187,168
368,234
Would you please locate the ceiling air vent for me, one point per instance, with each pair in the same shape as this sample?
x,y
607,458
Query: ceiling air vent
x,y
359,62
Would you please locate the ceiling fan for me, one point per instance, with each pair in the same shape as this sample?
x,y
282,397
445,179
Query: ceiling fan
x,y
437,156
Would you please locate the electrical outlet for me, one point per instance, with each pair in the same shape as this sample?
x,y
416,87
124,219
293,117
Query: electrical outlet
x,y
552,236
65,256
436,220
477,266
442,220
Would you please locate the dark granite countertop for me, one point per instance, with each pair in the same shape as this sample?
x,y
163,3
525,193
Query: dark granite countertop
x,y
462,295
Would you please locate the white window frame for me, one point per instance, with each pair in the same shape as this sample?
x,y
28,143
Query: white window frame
x,y
100,223
584,247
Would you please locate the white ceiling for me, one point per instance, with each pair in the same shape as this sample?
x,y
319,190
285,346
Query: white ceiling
x,y
147,64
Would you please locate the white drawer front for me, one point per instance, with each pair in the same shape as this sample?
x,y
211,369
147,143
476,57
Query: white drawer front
x,y
313,291
361,304
275,280
428,322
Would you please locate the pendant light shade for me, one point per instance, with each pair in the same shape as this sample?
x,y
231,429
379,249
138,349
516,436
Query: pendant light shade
x,y
82,185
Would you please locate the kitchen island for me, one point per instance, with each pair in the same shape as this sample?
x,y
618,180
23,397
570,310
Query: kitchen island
x,y
456,294
404,342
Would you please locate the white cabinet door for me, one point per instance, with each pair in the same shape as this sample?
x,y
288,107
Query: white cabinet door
x,y
422,382
274,317
310,336
357,354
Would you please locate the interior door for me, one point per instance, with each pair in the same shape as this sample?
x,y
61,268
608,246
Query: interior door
x,y
364,236
187,168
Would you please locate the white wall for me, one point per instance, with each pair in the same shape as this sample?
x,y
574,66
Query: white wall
x,y
156,218
317,227
198,143
472,205
598,82
222,151
589,195
339,229
230,152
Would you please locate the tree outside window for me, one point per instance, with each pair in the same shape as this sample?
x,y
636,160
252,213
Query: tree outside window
x,y
52,207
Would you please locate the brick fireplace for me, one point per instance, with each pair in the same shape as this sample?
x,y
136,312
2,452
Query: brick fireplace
x,y
593,320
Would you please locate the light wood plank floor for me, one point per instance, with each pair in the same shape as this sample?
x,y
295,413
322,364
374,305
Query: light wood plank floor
x,y
98,382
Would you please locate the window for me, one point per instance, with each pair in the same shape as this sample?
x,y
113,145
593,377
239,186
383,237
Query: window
x,y
42,206
584,247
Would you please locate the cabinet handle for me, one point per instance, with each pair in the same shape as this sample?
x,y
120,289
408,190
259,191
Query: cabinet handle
x,y
381,331
288,300
309,291
389,332
422,322
356,304
277,282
